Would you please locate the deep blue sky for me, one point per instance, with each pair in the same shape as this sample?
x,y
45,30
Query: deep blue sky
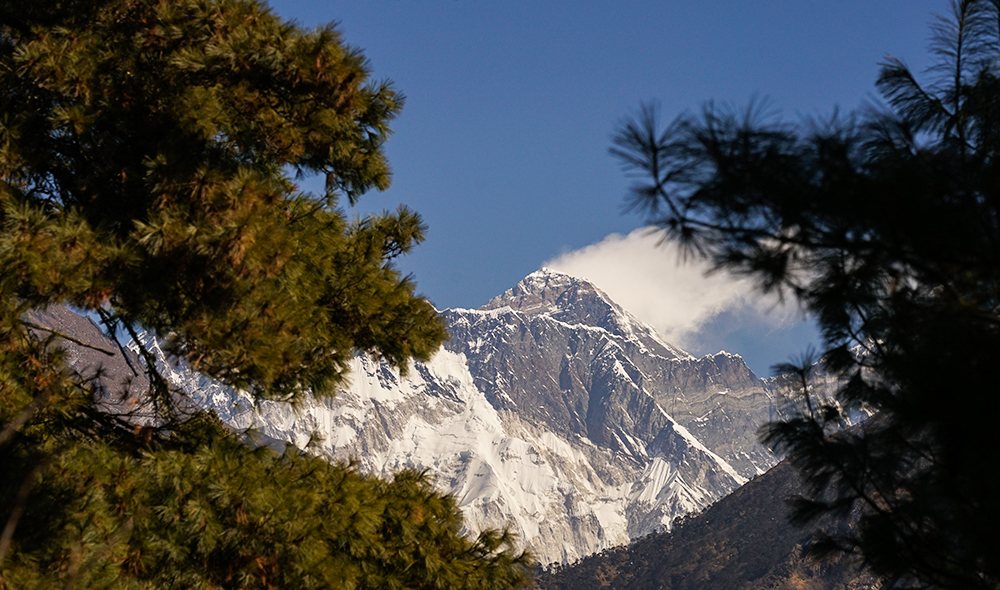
x,y
502,144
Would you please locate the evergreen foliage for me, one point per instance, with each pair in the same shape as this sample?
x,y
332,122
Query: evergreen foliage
x,y
202,509
145,161
148,157
885,225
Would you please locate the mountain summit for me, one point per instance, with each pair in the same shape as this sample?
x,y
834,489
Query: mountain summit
x,y
551,411
577,302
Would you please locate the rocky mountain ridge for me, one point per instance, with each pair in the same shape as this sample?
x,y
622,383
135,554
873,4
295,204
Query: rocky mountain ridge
x,y
552,411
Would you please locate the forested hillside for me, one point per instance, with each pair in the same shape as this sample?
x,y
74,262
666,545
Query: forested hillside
x,y
744,541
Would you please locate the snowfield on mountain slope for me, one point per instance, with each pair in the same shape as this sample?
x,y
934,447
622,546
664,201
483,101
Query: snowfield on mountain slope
x,y
550,429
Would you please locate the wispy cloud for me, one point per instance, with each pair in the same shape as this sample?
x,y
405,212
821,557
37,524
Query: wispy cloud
x,y
646,276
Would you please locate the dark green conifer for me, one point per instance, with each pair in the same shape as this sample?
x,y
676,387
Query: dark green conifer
x,y
886,227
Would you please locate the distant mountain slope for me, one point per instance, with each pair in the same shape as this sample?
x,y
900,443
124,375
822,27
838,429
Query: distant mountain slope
x,y
551,410
97,358
742,542
542,414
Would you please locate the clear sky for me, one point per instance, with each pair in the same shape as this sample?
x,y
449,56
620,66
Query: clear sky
x,y
502,145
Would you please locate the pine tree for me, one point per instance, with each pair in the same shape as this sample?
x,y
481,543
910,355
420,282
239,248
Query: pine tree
x,y
146,156
885,225
149,153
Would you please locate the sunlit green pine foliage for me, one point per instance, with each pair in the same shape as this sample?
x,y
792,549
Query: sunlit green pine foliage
x,y
204,510
145,153
148,158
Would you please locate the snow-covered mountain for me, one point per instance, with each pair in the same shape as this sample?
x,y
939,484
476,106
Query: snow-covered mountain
x,y
551,411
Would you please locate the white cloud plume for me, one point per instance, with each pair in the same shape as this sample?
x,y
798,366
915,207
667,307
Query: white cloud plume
x,y
646,276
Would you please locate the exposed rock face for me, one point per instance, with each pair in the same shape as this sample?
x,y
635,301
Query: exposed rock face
x,y
556,348
551,411
121,388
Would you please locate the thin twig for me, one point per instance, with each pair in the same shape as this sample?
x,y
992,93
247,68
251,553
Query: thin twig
x,y
109,325
67,337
